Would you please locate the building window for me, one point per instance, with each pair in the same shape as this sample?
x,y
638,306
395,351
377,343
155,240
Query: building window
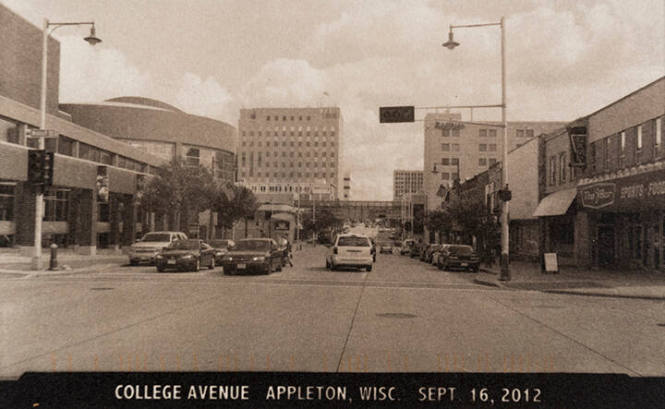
x,y
7,194
592,157
482,147
268,118
454,161
562,167
623,141
482,133
445,132
492,133
492,147
445,161
529,133
606,153
455,132
65,146
492,161
56,205
445,175
192,157
445,147
639,137
482,162
520,133
455,147
552,170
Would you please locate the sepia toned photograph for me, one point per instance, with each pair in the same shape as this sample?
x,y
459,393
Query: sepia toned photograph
x,y
303,186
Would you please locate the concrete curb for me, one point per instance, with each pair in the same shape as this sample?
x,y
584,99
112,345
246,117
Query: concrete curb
x,y
489,283
606,295
42,273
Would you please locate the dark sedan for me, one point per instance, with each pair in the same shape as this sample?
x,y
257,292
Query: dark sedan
x,y
458,256
186,255
221,247
253,255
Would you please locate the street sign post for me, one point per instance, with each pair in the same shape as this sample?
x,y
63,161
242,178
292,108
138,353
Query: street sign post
x,y
396,114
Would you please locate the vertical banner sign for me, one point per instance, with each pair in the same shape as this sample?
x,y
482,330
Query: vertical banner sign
x,y
140,188
102,184
578,136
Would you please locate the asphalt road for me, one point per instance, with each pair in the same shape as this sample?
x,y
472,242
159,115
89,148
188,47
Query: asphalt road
x,y
403,316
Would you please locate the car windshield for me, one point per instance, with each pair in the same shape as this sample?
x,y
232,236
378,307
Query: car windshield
x,y
261,245
185,245
219,243
353,241
463,250
161,237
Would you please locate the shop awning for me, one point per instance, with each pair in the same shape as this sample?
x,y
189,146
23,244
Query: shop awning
x,y
556,203
269,207
282,216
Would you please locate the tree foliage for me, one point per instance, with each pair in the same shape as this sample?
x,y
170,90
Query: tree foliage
x,y
325,220
187,190
233,203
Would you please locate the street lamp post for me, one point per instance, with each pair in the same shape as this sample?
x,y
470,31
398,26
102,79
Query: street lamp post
x,y
451,44
92,39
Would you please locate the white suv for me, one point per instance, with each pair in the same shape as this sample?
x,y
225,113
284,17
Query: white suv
x,y
145,249
351,250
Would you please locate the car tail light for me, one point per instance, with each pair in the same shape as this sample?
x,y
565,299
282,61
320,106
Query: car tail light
x,y
334,250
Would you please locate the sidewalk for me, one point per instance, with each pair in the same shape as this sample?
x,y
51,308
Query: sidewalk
x,y
14,264
639,284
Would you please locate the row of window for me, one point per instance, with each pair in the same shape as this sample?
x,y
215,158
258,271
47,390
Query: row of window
x,y
600,152
292,131
290,174
284,117
486,161
284,144
449,176
491,133
559,169
290,154
280,188
66,146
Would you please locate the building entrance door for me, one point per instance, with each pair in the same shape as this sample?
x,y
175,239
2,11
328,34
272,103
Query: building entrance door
x,y
605,245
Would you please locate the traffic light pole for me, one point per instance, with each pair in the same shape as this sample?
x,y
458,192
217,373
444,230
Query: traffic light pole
x,y
39,193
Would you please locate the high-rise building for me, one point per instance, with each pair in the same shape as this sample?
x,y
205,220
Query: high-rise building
x,y
290,150
455,149
406,181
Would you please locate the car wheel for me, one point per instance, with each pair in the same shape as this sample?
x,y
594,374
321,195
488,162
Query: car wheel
x,y
212,264
269,268
133,263
368,268
333,267
160,268
327,265
279,266
197,266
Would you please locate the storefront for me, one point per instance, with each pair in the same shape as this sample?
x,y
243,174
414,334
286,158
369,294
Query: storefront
x,y
626,218
557,216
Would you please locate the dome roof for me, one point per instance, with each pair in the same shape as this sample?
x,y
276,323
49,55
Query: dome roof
x,y
145,101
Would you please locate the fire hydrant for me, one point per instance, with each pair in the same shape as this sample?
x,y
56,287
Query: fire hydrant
x,y
53,263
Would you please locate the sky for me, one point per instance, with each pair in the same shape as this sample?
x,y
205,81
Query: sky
x,y
564,59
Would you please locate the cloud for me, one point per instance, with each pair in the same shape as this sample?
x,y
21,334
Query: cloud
x,y
204,97
95,73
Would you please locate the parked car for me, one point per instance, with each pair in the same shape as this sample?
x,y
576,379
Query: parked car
x,y
350,250
147,248
186,255
416,249
386,247
221,247
406,246
426,253
459,256
260,255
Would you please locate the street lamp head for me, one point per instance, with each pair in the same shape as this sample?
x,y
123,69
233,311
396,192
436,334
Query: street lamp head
x,y
92,39
451,43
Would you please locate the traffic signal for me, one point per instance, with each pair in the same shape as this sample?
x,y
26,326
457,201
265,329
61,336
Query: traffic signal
x,y
396,114
40,167
36,166
47,171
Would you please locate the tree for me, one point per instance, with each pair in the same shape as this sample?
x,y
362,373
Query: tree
x,y
179,190
233,203
475,221
439,221
325,220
